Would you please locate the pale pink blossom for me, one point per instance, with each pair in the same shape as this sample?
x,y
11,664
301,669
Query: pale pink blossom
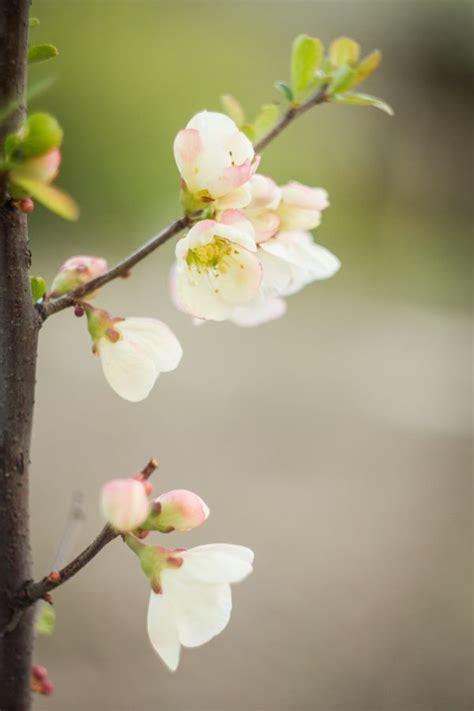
x,y
261,211
124,504
215,159
191,602
216,267
301,206
77,271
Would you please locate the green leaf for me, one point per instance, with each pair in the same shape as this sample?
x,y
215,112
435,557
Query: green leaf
x,y
368,65
41,53
342,80
306,57
284,89
233,108
344,52
265,121
364,100
33,22
38,288
54,199
46,621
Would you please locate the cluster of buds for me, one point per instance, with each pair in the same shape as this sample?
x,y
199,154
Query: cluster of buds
x,y
253,249
190,598
32,159
40,683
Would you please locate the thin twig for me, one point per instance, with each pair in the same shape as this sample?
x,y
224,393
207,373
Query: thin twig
x,y
48,308
34,591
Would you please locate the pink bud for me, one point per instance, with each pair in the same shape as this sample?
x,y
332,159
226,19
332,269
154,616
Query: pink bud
x,y
39,672
124,504
26,206
75,272
47,687
179,510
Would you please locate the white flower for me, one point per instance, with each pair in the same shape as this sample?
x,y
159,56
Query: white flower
x,y
215,159
300,207
133,351
195,602
217,268
291,260
260,211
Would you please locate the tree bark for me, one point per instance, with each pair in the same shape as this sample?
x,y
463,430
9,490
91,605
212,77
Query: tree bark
x,y
18,345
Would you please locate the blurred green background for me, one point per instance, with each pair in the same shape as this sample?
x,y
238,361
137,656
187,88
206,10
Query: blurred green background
x,y
334,442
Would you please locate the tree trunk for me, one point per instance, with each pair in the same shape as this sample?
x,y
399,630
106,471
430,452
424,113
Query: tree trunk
x,y
18,344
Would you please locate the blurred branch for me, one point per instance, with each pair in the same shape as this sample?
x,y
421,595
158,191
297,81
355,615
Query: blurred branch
x,y
48,308
40,590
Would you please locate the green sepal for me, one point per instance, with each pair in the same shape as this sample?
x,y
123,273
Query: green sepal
x,y
364,100
38,288
306,55
41,53
46,621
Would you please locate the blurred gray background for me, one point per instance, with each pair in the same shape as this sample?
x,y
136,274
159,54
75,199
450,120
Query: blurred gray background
x,y
335,442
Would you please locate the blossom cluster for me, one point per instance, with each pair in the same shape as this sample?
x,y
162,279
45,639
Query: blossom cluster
x,y
190,598
256,250
247,250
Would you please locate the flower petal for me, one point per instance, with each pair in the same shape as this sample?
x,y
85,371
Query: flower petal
x,y
218,562
127,368
258,312
163,630
195,294
156,338
201,610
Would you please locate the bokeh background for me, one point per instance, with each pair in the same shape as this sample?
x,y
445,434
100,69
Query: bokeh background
x,y
334,442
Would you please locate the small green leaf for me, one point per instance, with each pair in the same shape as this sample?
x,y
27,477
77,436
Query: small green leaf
x,y
342,80
46,621
368,65
33,22
40,134
364,100
54,199
284,89
38,288
306,57
41,53
233,108
344,52
265,121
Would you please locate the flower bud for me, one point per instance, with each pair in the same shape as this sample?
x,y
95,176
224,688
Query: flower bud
x,y
77,271
177,510
124,504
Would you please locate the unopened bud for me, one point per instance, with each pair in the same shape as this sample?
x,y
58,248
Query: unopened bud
x,y
54,576
75,272
79,310
177,510
26,205
124,504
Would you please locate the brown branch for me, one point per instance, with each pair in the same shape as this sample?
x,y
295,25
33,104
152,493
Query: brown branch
x,y
32,591
63,302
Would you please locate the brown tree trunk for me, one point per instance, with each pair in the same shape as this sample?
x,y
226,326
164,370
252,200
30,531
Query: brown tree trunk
x,y
18,343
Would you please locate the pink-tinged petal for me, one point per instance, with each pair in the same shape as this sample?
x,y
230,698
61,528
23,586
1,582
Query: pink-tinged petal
x,y
304,197
265,193
266,225
187,148
236,199
236,175
180,510
258,312
124,504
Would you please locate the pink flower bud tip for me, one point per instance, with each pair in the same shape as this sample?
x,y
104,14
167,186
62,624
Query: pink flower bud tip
x,y
39,672
47,687
54,576
180,510
79,310
124,504
27,205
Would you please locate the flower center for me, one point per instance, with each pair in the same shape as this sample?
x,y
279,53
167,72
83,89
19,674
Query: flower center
x,y
210,256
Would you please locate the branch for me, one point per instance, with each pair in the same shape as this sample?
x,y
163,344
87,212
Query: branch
x,y
63,302
40,590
